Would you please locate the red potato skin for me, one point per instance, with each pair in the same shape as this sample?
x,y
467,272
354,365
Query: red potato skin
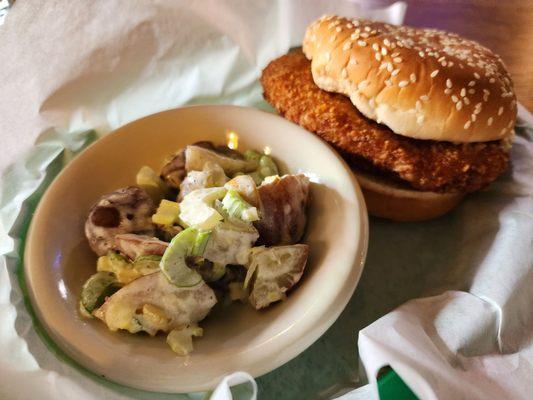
x,y
134,246
126,210
283,208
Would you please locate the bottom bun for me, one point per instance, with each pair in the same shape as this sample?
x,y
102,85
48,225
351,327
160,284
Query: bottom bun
x,y
388,199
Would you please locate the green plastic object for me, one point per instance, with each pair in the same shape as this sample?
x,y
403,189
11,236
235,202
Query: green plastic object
x,y
392,387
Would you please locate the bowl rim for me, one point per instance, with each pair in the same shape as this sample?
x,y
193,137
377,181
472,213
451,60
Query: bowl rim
x,y
306,335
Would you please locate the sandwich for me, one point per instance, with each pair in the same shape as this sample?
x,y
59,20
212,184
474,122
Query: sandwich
x,y
423,117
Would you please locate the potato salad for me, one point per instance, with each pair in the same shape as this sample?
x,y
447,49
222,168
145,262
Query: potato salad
x,y
214,226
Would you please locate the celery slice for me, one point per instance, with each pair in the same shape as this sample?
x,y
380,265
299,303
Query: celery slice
x,y
173,264
236,206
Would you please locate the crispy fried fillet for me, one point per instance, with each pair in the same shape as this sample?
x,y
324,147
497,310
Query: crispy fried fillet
x,y
422,164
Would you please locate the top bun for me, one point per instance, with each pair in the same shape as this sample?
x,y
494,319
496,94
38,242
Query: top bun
x,y
421,83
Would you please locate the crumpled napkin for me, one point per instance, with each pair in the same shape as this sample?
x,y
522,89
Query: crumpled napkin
x,y
474,342
72,70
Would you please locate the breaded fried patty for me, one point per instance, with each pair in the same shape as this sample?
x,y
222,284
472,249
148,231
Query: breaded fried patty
x,y
422,164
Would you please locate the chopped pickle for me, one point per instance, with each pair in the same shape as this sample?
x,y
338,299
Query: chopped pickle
x,y
252,155
180,340
96,289
148,180
167,213
122,269
267,166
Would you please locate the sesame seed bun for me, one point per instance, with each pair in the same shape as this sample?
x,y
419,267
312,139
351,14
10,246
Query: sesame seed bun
x,y
421,83
387,199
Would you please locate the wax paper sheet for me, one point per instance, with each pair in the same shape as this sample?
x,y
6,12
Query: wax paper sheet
x,y
474,338
74,70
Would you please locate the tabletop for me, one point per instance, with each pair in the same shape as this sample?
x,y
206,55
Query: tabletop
x,y
505,26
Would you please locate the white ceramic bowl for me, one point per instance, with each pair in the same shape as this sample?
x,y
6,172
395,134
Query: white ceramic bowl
x,y
58,259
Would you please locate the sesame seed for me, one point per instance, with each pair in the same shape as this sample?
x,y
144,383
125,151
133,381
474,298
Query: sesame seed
x,y
476,75
502,131
448,83
459,105
347,46
361,43
500,111
382,66
333,38
389,67
463,92
388,82
367,28
424,97
447,91
492,80
352,61
364,35
489,121
455,99
421,54
434,73
420,119
444,63
384,51
471,83
473,117
375,46
386,42
338,29
378,56
403,84
395,72
397,59
354,36
395,54
467,125
471,91
412,78
349,25
466,101
363,84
